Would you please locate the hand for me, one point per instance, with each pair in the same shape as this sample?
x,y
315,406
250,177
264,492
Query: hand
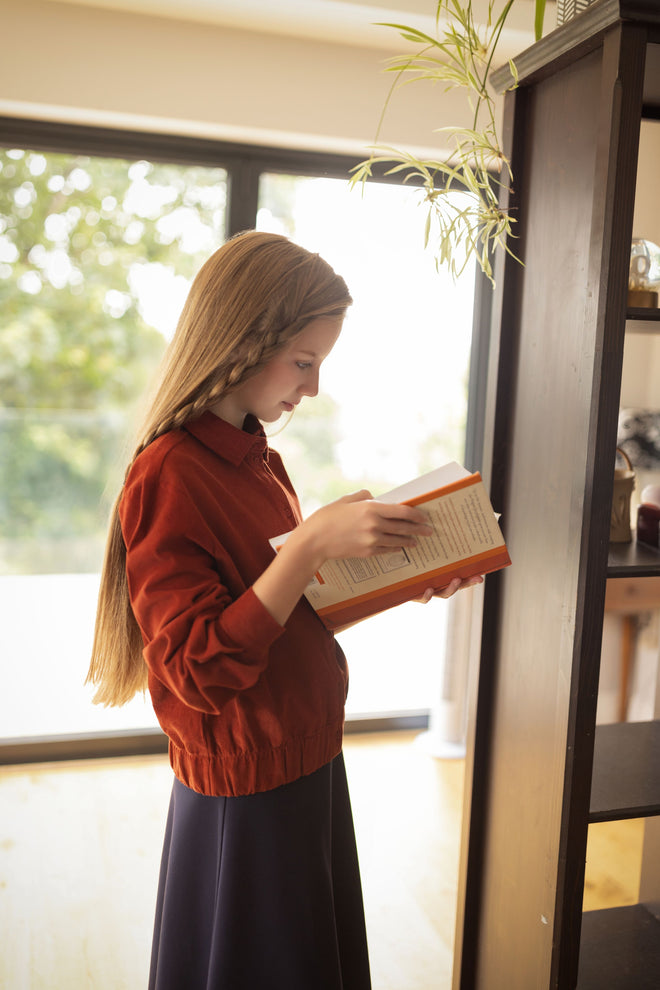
x,y
353,526
359,526
456,585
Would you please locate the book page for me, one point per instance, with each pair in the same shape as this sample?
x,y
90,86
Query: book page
x,y
430,482
464,527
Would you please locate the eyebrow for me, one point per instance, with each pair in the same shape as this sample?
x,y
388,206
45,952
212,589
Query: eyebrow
x,y
308,353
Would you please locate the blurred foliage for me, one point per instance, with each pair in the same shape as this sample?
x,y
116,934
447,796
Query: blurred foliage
x,y
90,249
80,240
278,193
308,443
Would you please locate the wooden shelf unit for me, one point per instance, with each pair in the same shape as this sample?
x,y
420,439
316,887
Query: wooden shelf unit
x,y
539,771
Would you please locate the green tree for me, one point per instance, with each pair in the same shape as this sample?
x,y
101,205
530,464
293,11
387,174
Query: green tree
x,y
79,236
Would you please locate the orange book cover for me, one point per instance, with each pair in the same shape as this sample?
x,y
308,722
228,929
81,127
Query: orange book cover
x,y
466,540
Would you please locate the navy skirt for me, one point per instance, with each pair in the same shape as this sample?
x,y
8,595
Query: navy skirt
x,y
261,892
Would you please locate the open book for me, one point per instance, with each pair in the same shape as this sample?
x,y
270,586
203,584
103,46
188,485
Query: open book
x,y
466,540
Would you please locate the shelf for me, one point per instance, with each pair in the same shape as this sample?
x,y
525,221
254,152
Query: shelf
x,y
643,314
633,560
626,773
642,320
620,949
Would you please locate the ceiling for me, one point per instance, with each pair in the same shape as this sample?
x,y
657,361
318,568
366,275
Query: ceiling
x,y
347,22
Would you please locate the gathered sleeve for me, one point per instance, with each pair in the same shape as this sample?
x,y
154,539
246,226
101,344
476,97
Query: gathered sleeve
x,y
207,636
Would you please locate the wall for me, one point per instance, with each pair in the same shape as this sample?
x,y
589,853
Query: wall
x,y
75,63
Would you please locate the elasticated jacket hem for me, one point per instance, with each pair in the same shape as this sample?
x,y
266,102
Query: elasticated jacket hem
x,y
252,772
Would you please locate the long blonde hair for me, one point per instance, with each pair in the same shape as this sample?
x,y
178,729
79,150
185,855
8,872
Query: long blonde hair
x,y
253,296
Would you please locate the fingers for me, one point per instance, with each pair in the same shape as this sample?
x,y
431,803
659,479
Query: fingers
x,y
455,585
458,585
388,526
392,519
388,510
403,518
407,513
450,590
398,528
357,525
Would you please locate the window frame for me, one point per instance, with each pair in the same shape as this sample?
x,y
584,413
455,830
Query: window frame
x,y
244,165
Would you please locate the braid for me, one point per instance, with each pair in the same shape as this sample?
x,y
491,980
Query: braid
x,y
250,299
256,356
180,416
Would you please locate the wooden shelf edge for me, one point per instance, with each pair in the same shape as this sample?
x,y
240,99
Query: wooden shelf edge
x,y
626,771
624,814
643,314
632,560
641,319
572,40
620,949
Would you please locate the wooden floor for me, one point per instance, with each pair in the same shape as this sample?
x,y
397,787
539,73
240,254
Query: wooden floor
x,y
80,846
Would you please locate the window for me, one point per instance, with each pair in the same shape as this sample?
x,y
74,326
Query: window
x,y
393,400
96,255
100,234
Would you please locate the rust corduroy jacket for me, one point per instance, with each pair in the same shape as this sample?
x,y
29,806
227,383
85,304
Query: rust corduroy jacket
x,y
247,704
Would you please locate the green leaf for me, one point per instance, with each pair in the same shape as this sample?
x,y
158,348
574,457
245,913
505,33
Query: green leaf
x,y
513,69
460,57
538,19
409,33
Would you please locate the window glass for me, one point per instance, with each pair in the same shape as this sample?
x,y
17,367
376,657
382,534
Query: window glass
x,y
96,257
394,395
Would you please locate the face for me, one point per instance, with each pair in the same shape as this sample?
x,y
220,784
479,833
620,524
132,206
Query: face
x,y
291,375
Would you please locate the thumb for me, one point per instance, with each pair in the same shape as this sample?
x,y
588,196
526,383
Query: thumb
x,y
360,496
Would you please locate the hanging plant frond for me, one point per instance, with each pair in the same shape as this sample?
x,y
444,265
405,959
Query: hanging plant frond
x,y
461,56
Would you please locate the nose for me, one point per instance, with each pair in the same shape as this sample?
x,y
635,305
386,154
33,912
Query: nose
x,y
311,386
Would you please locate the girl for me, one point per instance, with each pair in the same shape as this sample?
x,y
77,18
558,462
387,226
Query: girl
x,y
259,885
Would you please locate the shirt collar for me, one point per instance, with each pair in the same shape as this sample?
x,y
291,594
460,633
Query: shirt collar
x,y
227,440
